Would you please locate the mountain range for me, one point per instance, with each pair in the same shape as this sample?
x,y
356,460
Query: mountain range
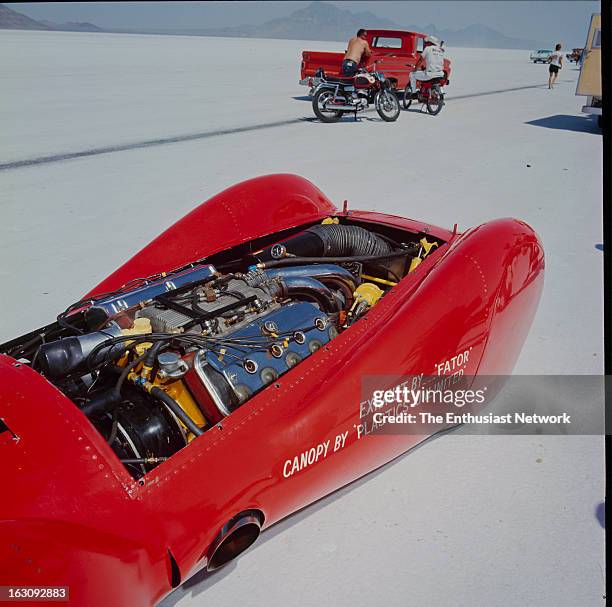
x,y
12,20
318,21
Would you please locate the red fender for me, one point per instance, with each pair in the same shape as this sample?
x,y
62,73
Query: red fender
x,y
243,212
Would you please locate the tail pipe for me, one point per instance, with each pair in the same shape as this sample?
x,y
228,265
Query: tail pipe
x,y
342,107
235,537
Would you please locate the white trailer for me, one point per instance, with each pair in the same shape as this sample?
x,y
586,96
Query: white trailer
x,y
589,81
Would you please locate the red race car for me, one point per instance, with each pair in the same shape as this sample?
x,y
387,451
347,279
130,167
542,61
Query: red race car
x,y
211,385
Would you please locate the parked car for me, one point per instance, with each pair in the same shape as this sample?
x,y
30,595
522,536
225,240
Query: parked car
x,y
540,56
212,385
575,56
394,52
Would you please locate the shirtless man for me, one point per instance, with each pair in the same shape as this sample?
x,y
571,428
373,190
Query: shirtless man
x,y
357,47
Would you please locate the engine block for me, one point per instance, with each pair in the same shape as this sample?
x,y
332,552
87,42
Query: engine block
x,y
260,352
165,320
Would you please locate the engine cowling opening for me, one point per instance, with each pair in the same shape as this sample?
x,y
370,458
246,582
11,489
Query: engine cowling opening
x,y
162,360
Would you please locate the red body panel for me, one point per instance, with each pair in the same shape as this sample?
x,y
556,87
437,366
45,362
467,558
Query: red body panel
x,y
72,515
243,212
395,63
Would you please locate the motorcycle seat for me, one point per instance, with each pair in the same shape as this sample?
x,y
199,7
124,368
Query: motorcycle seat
x,y
340,79
436,80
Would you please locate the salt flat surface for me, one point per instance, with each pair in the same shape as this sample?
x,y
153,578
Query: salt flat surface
x,y
460,521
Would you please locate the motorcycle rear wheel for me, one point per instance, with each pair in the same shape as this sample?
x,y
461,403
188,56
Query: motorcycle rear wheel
x,y
435,101
318,103
387,105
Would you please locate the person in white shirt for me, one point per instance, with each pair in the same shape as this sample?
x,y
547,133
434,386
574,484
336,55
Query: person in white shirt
x,y
556,63
430,64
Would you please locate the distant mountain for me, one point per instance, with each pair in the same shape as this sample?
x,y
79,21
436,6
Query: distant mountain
x,y
12,20
479,36
322,21
72,26
318,21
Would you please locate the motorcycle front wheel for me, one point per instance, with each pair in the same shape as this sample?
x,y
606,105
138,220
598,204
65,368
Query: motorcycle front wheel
x,y
407,98
319,101
387,105
435,101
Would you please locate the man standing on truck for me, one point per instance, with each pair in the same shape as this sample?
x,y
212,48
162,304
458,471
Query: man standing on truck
x,y
357,47
429,65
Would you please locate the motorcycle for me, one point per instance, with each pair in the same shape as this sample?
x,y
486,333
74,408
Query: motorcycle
x,y
336,96
430,93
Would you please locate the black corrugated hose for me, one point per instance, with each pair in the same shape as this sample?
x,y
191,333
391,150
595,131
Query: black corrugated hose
x,y
349,241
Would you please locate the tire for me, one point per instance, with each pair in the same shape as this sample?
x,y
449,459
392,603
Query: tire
x,y
435,101
318,100
387,105
407,98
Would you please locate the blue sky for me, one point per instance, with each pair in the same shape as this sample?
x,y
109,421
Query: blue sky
x,y
563,20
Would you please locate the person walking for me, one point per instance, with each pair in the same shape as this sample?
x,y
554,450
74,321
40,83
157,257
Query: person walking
x,y
556,63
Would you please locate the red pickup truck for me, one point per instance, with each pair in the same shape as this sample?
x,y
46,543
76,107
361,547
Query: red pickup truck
x,y
394,52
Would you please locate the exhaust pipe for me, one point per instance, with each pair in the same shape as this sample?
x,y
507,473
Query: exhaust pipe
x,y
311,288
328,274
343,108
234,538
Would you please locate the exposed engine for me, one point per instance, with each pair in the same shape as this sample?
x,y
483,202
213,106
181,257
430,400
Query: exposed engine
x,y
156,363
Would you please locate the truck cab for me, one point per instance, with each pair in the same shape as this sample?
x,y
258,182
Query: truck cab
x,y
394,52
